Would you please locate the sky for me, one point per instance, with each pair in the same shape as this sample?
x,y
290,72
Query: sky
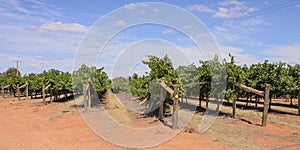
x,y
45,34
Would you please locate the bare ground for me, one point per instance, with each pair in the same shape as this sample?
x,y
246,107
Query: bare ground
x,y
27,124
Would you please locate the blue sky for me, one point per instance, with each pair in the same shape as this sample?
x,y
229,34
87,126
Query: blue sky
x,y
45,34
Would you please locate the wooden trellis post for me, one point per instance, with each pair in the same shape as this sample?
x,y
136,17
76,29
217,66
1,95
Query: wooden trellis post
x,y
18,91
161,107
199,97
266,95
234,105
43,93
3,88
89,96
26,89
86,96
266,105
175,94
3,92
10,92
175,107
20,87
256,101
299,99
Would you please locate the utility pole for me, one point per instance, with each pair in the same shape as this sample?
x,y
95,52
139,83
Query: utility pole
x,y
17,61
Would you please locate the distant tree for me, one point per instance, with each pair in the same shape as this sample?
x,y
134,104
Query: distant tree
x,y
120,84
12,71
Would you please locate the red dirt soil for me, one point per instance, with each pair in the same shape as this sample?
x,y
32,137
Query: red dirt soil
x,y
27,125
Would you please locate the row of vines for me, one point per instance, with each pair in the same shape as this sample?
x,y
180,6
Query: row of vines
x,y
195,81
60,83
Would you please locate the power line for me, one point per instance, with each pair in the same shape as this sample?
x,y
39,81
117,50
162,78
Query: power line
x,y
257,13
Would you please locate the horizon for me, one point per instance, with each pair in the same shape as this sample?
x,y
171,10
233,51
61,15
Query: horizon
x,y
141,73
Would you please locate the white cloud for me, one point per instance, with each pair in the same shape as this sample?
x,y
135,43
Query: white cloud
x,y
200,7
143,4
240,57
19,39
233,12
125,54
232,9
266,1
156,9
286,53
61,27
167,31
20,21
16,6
224,34
35,64
231,2
253,22
120,23
188,27
239,31
226,9
32,10
130,6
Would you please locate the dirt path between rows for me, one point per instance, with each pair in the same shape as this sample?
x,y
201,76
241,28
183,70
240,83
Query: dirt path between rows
x,y
28,125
